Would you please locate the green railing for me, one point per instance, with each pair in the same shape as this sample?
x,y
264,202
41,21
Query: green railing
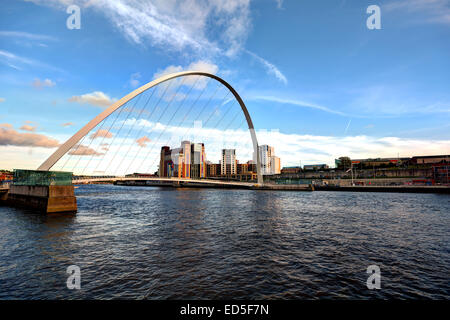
x,y
292,181
41,178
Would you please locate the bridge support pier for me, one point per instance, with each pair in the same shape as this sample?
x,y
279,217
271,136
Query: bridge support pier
x,y
45,199
42,191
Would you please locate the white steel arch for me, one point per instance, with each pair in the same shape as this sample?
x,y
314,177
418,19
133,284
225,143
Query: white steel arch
x,y
66,146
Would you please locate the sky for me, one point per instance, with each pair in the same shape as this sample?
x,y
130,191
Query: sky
x,y
318,83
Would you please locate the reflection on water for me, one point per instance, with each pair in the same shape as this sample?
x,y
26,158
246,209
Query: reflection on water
x,y
154,243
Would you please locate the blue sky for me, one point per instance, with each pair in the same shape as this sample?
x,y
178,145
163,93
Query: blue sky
x,y
310,72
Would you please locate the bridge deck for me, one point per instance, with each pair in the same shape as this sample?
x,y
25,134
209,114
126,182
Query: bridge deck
x,y
196,181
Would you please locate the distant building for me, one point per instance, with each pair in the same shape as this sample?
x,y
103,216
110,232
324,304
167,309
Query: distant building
x,y
315,166
184,162
198,161
270,164
430,159
140,175
291,170
246,168
185,159
212,169
166,165
441,173
6,176
275,164
228,163
265,154
251,166
378,162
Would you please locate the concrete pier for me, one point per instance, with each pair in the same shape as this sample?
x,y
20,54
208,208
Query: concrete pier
x,y
42,191
45,199
3,194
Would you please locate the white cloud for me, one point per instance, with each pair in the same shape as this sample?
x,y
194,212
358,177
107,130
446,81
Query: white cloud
x,y
199,65
28,127
142,141
271,68
175,25
291,148
2,100
369,102
82,150
96,98
101,133
168,90
279,4
194,27
134,79
38,84
10,137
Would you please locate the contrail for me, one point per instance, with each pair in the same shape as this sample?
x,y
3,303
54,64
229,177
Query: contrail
x,y
348,125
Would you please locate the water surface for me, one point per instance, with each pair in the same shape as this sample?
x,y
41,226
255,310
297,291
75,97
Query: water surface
x,y
153,243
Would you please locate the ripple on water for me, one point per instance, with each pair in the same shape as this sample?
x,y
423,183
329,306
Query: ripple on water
x,y
152,243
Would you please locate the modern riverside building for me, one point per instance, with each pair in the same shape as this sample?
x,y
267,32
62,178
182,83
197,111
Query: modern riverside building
x,y
198,161
270,164
212,169
166,165
185,159
184,162
275,164
228,163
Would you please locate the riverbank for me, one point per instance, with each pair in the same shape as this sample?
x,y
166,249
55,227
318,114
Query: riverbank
x,y
189,184
396,189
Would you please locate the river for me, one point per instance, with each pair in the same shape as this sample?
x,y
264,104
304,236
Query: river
x,y
163,243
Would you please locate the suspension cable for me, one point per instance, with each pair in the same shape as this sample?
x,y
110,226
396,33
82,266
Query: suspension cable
x,y
204,107
142,127
178,106
187,113
162,114
123,123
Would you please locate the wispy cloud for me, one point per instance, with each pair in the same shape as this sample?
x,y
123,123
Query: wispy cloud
x,y
196,27
291,147
29,126
134,80
200,65
17,62
348,126
428,11
393,101
142,141
271,68
10,137
300,103
82,150
2,100
96,98
38,84
26,35
175,25
279,4
101,133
